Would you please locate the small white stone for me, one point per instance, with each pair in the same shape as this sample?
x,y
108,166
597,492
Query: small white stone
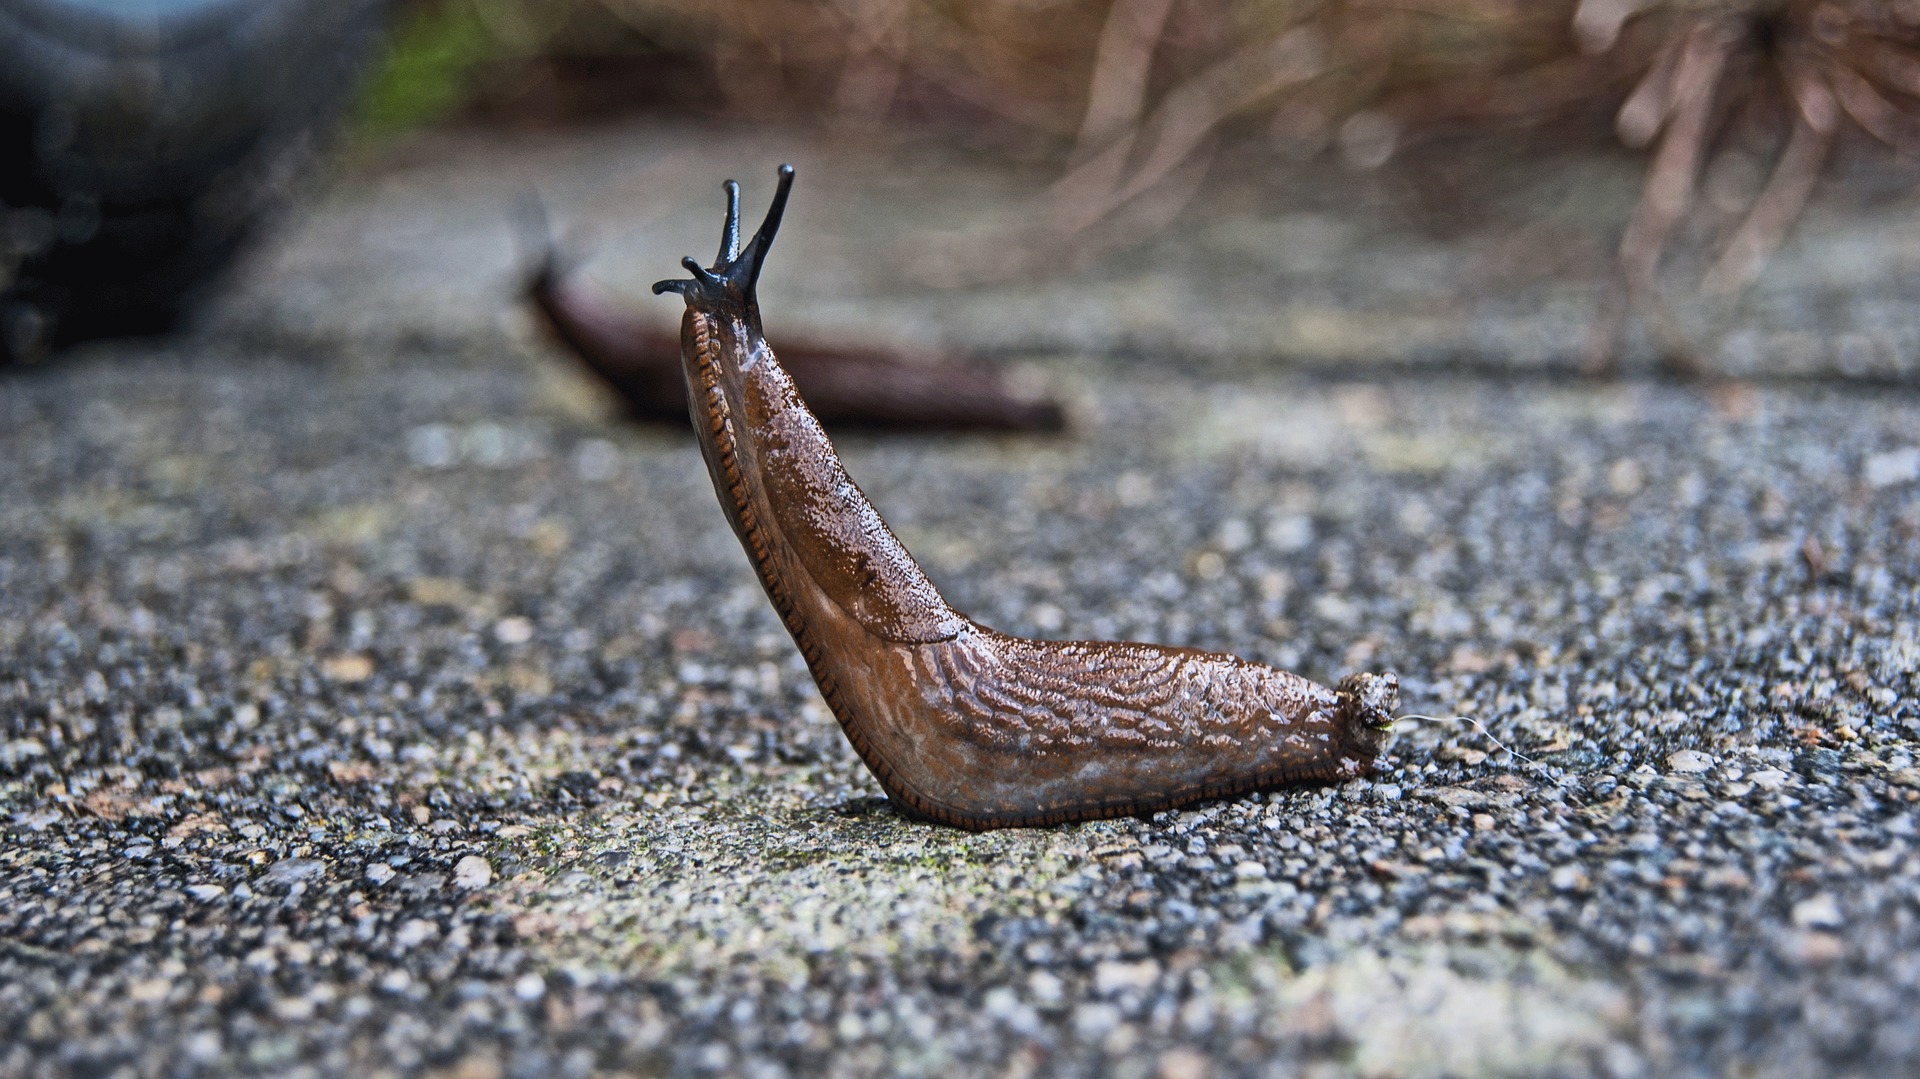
x,y
1000,1002
1235,535
1768,779
433,445
202,1046
12,753
414,932
379,873
1892,467
1112,977
150,990
1289,532
1689,762
472,872
1045,988
1184,1063
515,630
1048,617
1626,476
206,893
1093,1021
1568,878
530,987
1817,912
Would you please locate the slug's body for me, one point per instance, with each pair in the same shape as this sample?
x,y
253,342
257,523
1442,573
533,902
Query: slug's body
x,y
961,724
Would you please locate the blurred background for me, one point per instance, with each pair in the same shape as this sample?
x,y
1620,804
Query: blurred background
x,y
1117,110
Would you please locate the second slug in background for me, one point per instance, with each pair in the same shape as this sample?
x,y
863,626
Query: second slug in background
x,y
847,387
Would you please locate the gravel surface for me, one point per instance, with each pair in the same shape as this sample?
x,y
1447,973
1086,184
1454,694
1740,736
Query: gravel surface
x,y
372,703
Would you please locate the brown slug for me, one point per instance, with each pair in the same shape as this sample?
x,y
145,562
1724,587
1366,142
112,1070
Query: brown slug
x,y
847,387
961,724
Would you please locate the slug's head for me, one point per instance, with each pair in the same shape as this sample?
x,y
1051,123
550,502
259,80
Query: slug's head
x,y
1366,706
728,287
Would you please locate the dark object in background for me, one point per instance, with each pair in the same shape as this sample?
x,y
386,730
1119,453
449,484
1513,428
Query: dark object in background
x,y
140,143
846,387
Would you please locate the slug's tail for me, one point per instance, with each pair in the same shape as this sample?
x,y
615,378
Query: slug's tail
x,y
730,283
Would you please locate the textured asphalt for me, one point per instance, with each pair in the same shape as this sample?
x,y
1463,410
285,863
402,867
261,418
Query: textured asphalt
x,y
373,702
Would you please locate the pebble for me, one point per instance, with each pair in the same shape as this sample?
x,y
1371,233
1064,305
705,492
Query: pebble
x,y
1569,878
1892,467
1817,912
292,871
1690,762
472,872
1045,988
1112,977
414,932
1093,1021
1184,1063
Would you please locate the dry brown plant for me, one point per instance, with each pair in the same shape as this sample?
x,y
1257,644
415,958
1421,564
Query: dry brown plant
x,y
1823,64
1134,96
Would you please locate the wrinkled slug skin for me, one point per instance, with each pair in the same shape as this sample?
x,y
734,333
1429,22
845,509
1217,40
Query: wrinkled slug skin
x,y
961,724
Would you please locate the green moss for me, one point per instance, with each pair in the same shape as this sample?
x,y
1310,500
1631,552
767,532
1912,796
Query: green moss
x,y
428,69
757,874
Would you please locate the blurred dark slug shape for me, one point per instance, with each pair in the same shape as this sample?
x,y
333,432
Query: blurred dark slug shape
x,y
847,387
142,141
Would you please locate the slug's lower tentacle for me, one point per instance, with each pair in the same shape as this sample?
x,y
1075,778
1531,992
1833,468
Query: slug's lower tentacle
x,y
961,724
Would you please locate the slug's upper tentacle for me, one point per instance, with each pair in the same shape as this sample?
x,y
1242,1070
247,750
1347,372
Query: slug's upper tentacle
x,y
962,724
730,232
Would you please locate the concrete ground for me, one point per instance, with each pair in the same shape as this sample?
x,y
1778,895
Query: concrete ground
x,y
373,701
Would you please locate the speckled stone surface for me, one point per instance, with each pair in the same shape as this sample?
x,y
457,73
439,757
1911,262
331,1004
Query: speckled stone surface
x,y
372,703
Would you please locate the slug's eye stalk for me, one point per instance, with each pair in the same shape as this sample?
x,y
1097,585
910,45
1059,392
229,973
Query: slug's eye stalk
x,y
730,232
729,285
